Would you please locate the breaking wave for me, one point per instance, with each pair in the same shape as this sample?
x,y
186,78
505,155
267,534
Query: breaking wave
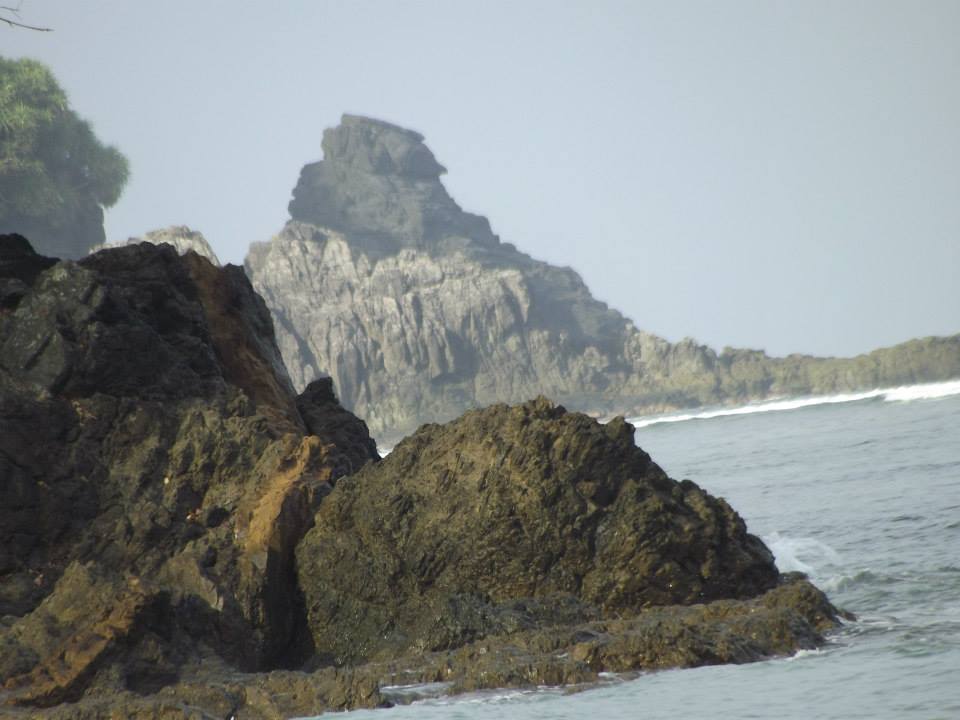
x,y
804,554
905,393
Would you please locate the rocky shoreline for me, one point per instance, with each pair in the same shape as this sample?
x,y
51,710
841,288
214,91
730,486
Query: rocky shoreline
x,y
183,535
793,616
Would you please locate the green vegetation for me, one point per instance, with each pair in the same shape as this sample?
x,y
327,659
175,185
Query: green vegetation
x,y
52,166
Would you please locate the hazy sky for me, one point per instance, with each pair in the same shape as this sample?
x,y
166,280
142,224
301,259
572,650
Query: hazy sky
x,y
783,175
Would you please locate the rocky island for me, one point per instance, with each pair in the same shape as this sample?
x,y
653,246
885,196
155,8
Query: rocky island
x,y
182,535
419,312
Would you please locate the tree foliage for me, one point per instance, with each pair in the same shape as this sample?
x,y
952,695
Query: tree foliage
x,y
51,163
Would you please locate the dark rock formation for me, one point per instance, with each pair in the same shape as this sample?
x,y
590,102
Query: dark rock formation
x,y
156,473
159,481
381,184
419,312
792,616
509,519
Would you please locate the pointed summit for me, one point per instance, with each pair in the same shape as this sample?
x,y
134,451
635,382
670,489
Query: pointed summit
x,y
381,148
381,183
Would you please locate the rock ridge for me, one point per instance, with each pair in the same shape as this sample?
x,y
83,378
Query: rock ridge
x,y
419,312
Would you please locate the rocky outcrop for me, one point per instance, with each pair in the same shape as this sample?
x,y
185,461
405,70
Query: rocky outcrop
x,y
182,536
182,238
508,519
156,473
792,616
419,312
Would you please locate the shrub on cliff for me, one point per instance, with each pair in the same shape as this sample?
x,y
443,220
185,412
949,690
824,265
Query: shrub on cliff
x,y
55,175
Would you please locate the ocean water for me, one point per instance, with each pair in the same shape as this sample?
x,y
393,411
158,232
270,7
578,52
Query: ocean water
x,y
862,492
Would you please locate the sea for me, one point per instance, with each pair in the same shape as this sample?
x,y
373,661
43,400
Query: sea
x,y
859,491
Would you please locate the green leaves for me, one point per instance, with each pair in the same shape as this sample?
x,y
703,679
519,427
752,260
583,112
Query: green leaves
x,y
51,162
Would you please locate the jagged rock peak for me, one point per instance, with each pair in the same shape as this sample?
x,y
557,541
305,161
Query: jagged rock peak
x,y
181,237
380,148
380,184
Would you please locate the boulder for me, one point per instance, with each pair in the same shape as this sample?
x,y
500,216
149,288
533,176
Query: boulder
x,y
509,519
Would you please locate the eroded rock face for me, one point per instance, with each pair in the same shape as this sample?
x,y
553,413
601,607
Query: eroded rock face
x,y
508,519
419,312
156,472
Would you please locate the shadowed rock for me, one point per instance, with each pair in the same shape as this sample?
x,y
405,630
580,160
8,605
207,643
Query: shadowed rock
x,y
156,473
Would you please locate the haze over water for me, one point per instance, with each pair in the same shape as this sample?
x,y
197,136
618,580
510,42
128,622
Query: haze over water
x,y
862,495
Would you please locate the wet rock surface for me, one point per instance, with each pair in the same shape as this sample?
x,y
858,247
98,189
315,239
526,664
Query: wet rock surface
x,y
182,536
419,312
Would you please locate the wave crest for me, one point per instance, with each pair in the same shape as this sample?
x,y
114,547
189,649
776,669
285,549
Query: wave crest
x,y
904,393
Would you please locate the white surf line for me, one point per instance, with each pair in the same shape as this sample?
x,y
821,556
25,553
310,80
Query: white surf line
x,y
903,393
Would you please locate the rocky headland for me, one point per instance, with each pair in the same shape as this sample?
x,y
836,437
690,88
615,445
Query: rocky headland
x,y
419,312
182,535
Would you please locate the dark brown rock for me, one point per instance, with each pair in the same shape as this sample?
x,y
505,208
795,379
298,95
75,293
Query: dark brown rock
x,y
791,616
158,485
508,519
155,475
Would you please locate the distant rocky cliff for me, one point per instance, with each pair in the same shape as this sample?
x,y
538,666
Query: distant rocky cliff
x,y
182,238
419,312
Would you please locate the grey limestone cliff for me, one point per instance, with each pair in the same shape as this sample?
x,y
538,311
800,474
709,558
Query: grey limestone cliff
x,y
418,311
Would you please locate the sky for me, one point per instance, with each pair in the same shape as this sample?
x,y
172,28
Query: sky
x,y
767,174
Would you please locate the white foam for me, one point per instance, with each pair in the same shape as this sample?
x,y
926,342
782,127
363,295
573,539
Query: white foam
x,y
802,653
417,689
804,554
905,393
928,391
